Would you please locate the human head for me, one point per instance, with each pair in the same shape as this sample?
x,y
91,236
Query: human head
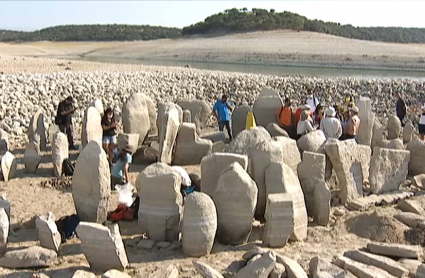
x,y
304,115
330,113
305,107
397,95
287,102
354,110
109,113
223,98
348,98
69,100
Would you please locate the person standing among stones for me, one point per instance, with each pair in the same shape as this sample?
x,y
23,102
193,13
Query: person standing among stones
x,y
330,125
304,107
401,108
285,117
305,125
352,125
319,114
421,124
64,119
120,170
222,110
109,139
345,107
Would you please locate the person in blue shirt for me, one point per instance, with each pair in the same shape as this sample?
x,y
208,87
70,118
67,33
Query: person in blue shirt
x,y
119,171
222,110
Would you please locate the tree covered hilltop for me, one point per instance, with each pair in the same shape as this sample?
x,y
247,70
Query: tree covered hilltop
x,y
230,21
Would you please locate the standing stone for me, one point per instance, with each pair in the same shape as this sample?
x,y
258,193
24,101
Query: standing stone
x,y
91,184
213,165
260,268
8,166
168,127
235,205
37,130
291,154
102,246
362,154
311,142
281,179
388,169
190,149
265,107
367,119
417,154
408,131
135,116
97,103
275,130
129,141
262,155
4,231
60,152
377,134
395,144
239,119
245,141
199,225
48,233
32,157
92,128
348,170
322,204
187,117
153,130
4,203
200,111
4,142
393,127
160,203
279,220
311,172
53,129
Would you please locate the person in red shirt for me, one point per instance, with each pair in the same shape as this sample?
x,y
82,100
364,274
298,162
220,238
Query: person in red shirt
x,y
285,118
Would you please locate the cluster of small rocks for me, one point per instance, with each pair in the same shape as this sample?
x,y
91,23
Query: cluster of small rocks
x,y
61,182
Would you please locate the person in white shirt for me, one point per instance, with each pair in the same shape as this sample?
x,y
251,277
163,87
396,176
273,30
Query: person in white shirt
x,y
331,126
305,125
421,124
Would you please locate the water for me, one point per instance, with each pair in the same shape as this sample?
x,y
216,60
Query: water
x,y
270,70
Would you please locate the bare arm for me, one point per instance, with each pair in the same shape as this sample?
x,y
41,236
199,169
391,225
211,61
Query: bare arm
x,y
127,178
229,106
69,111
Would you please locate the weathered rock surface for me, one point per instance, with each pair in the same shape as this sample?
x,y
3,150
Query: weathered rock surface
x,y
239,119
32,157
377,134
97,103
31,257
190,148
37,130
418,180
235,205
92,128
291,154
320,268
168,122
205,270
393,127
215,137
260,268
113,273
199,225
59,152
4,231
169,271
265,107
48,233
395,144
388,169
8,166
91,184
136,116
293,269
102,246
411,265
417,154
275,130
367,119
246,140
322,204
414,206
396,250
153,130
129,141
360,269
408,131
187,116
83,274
200,112
311,142
4,142
410,219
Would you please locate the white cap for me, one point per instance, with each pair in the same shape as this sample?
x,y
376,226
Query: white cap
x,y
331,112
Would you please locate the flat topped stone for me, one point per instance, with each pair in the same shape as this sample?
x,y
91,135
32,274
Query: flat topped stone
x,y
31,257
396,250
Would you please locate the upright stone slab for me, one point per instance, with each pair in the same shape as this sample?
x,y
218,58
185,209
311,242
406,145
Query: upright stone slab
x,y
53,129
417,154
245,141
348,170
129,141
4,231
4,142
367,119
262,155
291,154
275,130
199,225
281,179
408,131
377,134
32,157
91,184
8,166
322,204
279,220
102,246
312,141
235,205
92,128
206,270
48,233
4,203
37,130
362,155
388,169
135,116
393,127
265,107
60,152
169,121
200,111
153,130
213,165
190,149
187,117
97,103
160,204
239,119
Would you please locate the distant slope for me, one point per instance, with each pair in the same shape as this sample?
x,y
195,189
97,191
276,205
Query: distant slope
x,y
115,32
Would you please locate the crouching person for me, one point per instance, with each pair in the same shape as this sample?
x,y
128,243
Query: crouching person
x,y
120,170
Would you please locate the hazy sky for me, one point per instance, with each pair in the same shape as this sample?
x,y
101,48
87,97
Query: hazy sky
x,y
33,15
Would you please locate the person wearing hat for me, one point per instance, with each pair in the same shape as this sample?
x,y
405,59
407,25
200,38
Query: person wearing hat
x,y
421,124
64,119
351,128
119,171
330,125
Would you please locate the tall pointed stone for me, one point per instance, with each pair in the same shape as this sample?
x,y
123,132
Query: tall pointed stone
x,y
169,119
37,130
367,119
59,152
265,107
91,128
135,116
8,166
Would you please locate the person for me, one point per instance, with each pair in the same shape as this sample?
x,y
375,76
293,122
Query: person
x,y
304,107
119,172
401,108
285,117
421,124
305,125
344,108
330,125
64,119
222,110
109,139
352,126
312,101
319,114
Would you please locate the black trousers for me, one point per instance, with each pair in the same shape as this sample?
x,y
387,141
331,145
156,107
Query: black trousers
x,y
69,131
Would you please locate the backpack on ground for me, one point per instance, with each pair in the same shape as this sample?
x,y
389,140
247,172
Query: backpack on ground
x,y
66,226
67,167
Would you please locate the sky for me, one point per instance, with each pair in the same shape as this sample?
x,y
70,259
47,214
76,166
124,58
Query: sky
x,y
35,15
